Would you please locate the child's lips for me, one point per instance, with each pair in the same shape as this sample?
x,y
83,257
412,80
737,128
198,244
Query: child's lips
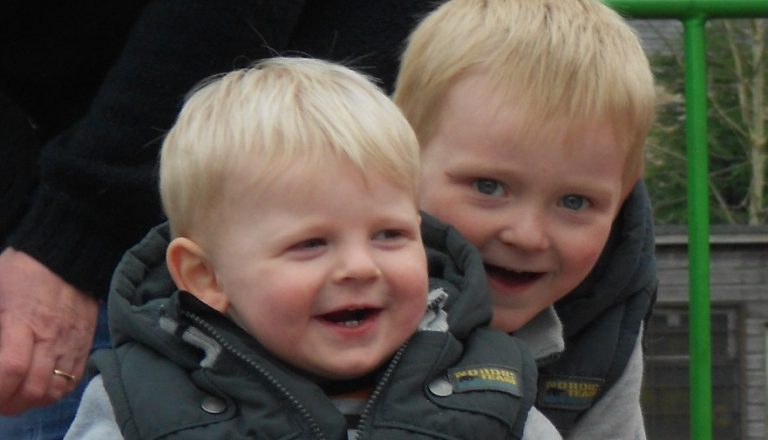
x,y
512,279
350,317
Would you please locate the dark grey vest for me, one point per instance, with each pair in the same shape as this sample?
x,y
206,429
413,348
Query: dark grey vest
x,y
602,318
180,370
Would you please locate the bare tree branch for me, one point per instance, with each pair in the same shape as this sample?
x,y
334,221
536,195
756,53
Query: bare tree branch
x,y
721,202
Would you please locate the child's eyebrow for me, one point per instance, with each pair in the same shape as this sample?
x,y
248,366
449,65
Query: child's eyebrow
x,y
482,168
591,190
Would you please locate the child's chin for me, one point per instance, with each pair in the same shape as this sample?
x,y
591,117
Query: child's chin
x,y
508,322
356,371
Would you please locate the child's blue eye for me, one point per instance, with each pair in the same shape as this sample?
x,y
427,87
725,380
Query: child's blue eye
x,y
488,187
388,234
574,202
311,243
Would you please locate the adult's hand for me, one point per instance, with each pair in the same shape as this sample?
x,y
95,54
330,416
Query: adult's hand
x,y
45,324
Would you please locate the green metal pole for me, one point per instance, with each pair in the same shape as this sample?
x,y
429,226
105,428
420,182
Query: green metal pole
x,y
681,9
693,13
698,228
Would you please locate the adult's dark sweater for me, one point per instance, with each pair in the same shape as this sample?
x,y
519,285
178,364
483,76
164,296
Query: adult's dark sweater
x,y
101,82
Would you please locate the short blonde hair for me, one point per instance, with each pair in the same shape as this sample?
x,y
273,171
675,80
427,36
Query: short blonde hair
x,y
576,59
279,112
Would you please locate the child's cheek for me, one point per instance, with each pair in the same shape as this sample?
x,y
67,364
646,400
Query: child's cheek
x,y
586,256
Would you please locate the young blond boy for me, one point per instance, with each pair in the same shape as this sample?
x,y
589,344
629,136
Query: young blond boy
x,y
532,116
287,297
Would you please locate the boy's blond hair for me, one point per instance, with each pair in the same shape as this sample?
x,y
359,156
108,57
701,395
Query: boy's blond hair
x,y
573,59
280,112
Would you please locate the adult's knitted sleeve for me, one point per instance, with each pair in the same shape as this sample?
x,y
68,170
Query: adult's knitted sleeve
x,y
97,192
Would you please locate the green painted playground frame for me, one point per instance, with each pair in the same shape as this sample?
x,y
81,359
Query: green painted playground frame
x,y
694,14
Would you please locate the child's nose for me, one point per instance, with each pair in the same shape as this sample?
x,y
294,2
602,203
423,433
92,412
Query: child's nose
x,y
526,231
355,263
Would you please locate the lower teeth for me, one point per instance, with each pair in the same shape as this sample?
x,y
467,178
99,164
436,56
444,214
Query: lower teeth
x,y
354,323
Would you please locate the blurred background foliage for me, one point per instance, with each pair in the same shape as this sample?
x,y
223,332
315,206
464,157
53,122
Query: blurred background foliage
x,y
737,122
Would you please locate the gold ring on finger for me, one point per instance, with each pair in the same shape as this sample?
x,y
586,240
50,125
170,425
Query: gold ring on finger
x,y
64,374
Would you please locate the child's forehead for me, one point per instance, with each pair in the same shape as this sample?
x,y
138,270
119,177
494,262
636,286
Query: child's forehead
x,y
302,174
318,191
515,112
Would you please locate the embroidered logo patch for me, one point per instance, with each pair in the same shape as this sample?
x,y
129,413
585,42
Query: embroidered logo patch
x,y
484,378
568,392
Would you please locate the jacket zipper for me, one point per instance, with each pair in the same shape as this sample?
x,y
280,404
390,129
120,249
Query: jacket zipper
x,y
226,345
377,391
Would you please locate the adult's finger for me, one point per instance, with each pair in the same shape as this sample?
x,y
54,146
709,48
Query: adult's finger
x,y
16,347
58,318
35,390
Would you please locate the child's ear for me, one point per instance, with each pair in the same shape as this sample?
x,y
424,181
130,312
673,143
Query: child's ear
x,y
193,272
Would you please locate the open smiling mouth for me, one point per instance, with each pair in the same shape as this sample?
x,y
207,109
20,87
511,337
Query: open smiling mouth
x,y
350,318
511,276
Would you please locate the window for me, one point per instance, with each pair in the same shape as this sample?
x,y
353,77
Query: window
x,y
665,397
